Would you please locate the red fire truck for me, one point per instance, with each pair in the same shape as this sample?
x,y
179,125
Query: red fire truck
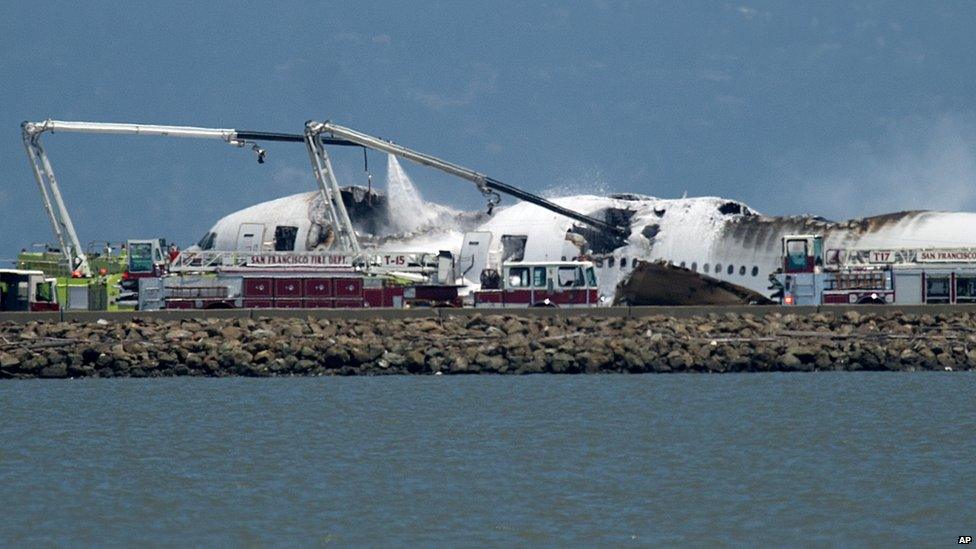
x,y
811,275
368,280
540,284
303,290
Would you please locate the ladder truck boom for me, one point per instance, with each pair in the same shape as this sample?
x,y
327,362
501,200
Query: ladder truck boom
x,y
315,142
485,184
57,211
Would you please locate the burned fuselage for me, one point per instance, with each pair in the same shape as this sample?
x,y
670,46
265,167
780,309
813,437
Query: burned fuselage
x,y
714,237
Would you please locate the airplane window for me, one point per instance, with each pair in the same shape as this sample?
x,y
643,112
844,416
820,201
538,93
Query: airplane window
x,y
682,264
731,269
564,258
623,262
705,267
718,268
694,266
755,270
742,270
599,263
610,261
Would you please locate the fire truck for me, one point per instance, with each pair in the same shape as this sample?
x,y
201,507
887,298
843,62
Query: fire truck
x,y
810,275
300,280
25,290
313,280
539,284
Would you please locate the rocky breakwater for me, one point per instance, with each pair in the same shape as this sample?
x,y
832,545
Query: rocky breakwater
x,y
489,344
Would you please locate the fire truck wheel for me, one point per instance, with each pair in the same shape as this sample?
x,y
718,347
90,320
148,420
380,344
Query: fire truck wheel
x,y
871,301
546,303
219,305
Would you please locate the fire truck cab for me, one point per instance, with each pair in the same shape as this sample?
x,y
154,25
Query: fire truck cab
x,y
540,284
22,290
144,259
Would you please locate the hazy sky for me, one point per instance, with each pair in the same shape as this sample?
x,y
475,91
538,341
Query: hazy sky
x,y
840,109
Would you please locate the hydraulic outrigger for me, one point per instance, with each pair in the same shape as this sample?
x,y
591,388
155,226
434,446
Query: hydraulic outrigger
x,y
315,142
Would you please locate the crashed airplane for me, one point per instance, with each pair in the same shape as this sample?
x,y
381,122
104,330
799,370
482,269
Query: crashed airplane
x,y
721,245
668,251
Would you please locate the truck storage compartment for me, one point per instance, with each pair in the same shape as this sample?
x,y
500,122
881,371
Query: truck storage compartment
x,y
348,288
318,287
258,287
288,287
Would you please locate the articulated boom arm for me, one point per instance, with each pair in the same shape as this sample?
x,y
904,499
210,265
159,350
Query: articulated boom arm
x,y
57,211
64,229
485,184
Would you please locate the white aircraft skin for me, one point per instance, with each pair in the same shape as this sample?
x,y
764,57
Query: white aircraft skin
x,y
717,237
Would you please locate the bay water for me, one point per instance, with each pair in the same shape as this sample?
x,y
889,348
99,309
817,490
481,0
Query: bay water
x,y
772,459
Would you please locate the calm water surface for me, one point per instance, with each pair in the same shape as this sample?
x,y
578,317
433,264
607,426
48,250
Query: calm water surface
x,y
772,459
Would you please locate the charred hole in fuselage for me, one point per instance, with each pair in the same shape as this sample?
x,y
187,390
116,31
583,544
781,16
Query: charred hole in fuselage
x,y
284,238
659,212
730,208
513,247
368,210
650,231
600,241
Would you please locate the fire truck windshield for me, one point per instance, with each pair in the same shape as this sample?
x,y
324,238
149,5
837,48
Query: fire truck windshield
x,y
518,277
539,277
140,258
796,254
591,277
570,277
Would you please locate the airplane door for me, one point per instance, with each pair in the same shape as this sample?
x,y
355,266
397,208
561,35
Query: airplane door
x,y
249,237
474,254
